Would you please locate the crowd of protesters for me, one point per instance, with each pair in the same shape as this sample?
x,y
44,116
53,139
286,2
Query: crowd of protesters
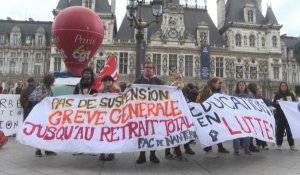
x,y
32,94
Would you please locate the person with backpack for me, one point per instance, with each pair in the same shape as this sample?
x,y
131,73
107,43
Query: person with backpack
x,y
24,97
213,86
39,93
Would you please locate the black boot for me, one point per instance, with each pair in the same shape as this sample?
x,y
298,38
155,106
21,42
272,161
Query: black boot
x,y
142,158
188,149
50,153
38,153
110,157
153,157
102,157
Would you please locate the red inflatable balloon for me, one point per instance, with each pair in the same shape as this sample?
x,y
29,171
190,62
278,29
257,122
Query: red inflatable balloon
x,y
78,33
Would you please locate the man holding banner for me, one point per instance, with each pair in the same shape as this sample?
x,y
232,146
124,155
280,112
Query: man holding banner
x,y
148,77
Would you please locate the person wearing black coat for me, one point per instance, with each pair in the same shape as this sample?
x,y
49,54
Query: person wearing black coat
x,y
281,122
148,77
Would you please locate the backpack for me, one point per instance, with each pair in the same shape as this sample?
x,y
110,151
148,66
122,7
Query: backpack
x,y
24,98
3,139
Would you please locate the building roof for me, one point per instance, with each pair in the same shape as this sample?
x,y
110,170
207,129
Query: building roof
x,y
192,18
289,41
28,28
101,6
270,17
235,12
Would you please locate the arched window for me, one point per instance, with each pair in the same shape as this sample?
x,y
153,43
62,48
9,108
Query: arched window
x,y
15,39
238,40
250,15
274,40
203,36
40,40
263,42
252,41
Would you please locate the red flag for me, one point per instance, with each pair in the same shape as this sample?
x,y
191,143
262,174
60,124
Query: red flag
x,y
108,69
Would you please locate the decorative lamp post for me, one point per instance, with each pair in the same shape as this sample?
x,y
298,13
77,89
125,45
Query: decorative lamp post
x,y
136,20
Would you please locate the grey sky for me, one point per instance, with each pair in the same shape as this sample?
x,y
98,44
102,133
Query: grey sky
x,y
286,11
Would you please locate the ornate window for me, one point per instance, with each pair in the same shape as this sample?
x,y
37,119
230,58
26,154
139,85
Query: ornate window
x,y
13,55
239,71
245,40
57,64
252,41
253,73
172,64
38,55
238,40
219,67
24,68
28,40
188,66
25,55
203,36
15,39
263,42
276,72
88,3
157,62
123,63
274,41
37,69
40,40
2,38
250,15
12,67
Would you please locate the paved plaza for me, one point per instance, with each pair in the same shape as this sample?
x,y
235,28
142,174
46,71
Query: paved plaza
x,y
17,159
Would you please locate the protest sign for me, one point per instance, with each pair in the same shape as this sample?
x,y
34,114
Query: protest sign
x,y
142,118
221,118
292,113
11,114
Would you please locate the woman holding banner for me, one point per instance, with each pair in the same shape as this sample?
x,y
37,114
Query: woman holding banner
x,y
213,86
38,95
242,91
282,124
108,86
179,82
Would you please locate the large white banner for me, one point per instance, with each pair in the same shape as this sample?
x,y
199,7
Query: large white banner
x,y
142,118
221,118
292,113
11,113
